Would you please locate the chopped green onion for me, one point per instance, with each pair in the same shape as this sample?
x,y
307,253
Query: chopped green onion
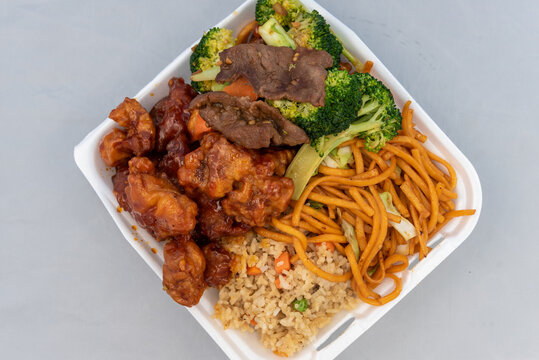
x,y
373,270
300,305
316,205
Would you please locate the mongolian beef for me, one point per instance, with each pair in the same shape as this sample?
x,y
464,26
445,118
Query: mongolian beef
x,y
284,175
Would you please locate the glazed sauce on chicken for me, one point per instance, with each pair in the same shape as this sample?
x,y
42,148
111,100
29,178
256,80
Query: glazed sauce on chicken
x,y
191,194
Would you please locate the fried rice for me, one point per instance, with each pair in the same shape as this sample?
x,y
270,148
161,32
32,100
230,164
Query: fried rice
x,y
254,303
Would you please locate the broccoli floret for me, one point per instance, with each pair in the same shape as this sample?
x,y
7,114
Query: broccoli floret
x,y
378,119
299,113
377,122
311,30
206,54
274,34
284,11
307,29
292,11
342,103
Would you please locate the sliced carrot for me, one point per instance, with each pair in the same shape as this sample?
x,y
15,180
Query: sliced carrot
x,y
367,67
277,283
329,245
282,262
279,353
197,126
253,270
241,87
253,322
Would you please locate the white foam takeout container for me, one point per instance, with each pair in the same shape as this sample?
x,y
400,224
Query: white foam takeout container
x,y
346,326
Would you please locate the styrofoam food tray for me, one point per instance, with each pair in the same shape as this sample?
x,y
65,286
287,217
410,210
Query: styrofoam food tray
x,y
350,325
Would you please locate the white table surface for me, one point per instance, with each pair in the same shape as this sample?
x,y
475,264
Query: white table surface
x,y
71,287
